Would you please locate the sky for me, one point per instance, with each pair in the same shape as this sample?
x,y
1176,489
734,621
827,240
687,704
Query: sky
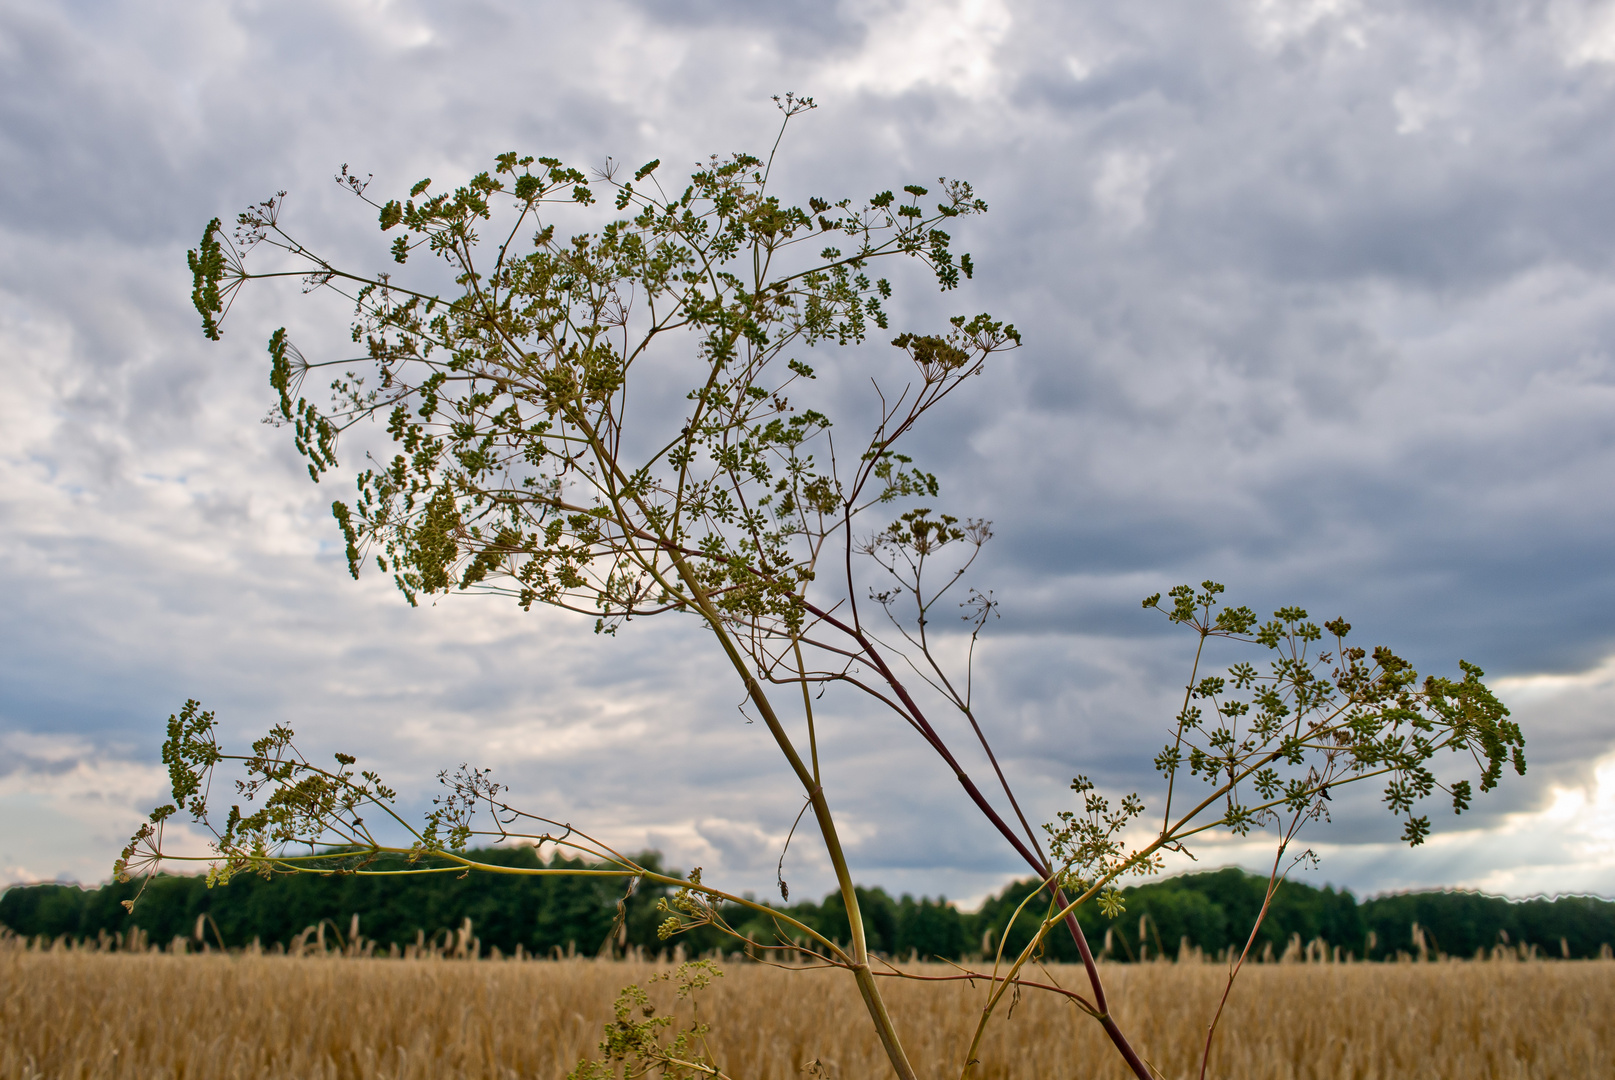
x,y
1318,300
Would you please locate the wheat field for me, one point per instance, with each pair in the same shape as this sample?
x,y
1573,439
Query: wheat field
x,y
81,1014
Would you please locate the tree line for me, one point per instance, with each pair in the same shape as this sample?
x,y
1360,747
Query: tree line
x,y
545,915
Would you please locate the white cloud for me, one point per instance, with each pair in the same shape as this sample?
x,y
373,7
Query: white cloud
x,y
69,807
1563,843
1276,23
945,46
1598,681
1122,188
1566,847
1586,30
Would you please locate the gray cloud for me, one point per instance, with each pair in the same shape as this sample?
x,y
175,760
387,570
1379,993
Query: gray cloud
x,y
1317,302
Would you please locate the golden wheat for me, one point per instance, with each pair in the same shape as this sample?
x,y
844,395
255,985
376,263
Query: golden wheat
x,y
82,1014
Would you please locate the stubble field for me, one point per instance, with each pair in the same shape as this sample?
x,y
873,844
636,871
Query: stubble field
x,y
148,1015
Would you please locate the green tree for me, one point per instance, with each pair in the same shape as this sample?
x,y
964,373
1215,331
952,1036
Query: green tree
x,y
930,929
1214,910
528,463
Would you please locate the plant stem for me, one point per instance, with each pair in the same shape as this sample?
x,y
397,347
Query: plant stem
x,y
1033,859
1233,973
827,827
808,778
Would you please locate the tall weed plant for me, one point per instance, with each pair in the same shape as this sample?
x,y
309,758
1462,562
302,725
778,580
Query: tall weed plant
x,y
521,468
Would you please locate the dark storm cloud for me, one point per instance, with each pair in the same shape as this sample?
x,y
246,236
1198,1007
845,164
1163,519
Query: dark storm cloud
x,y
1225,375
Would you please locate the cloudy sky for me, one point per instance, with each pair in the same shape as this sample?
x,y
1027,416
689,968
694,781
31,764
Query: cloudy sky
x,y
1318,299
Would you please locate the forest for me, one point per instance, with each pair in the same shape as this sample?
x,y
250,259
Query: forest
x,y
546,915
